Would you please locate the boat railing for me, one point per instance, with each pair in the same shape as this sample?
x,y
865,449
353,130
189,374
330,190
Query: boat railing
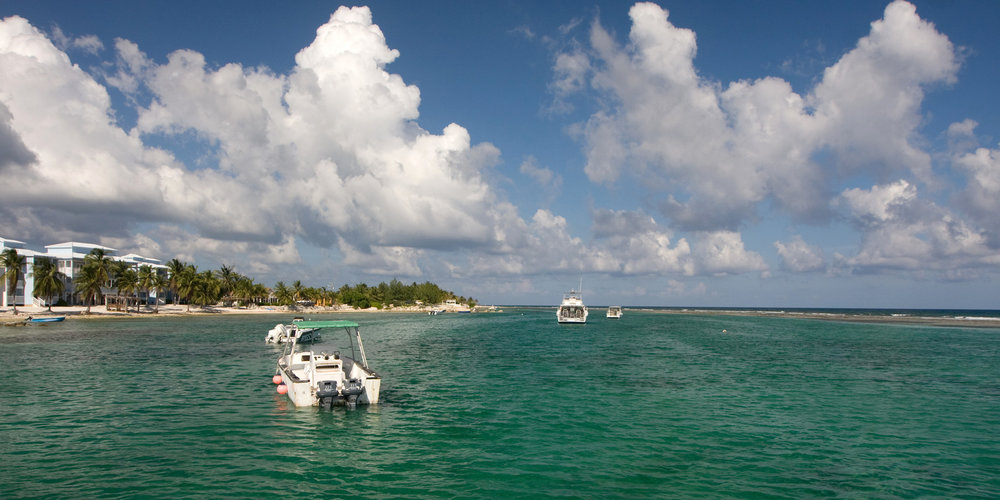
x,y
290,371
354,337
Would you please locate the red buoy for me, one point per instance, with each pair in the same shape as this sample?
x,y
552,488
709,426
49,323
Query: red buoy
x,y
282,389
276,379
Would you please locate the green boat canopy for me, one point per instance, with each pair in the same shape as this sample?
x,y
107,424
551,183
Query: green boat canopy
x,y
326,324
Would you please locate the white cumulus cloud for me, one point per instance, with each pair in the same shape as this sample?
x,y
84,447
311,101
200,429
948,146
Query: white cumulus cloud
x,y
723,252
719,151
330,153
900,231
799,256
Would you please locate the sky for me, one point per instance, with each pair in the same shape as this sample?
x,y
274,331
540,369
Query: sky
x,y
684,154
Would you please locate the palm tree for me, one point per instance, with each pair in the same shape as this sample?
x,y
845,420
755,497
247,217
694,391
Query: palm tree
x,y
157,283
245,290
115,269
13,263
283,293
260,293
103,261
297,288
186,283
49,281
207,289
89,282
227,281
146,274
128,282
175,267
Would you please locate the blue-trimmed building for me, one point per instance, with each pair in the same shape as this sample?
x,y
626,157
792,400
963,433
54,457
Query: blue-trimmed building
x,y
69,257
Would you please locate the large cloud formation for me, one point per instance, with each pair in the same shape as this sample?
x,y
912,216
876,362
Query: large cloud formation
x,y
332,155
727,150
714,155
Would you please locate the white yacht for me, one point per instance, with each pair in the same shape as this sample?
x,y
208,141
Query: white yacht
x,y
615,312
312,378
572,310
282,334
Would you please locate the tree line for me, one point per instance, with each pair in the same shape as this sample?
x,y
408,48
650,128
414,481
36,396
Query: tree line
x,y
203,288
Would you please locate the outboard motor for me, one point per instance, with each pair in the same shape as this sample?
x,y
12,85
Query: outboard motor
x,y
326,392
352,389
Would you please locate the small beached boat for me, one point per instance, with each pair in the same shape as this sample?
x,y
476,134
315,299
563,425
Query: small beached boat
x,y
281,334
50,319
615,312
572,310
312,378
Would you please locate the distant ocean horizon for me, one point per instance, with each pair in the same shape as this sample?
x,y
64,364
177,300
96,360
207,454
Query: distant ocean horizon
x,y
849,311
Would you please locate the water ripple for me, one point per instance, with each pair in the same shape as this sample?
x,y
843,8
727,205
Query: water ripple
x,y
508,405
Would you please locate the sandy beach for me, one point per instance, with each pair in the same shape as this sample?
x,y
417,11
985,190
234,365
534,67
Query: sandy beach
x,y
7,317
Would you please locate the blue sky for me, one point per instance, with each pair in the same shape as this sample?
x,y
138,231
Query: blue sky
x,y
774,154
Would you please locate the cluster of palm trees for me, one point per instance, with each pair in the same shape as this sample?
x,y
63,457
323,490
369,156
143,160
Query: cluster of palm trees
x,y
395,292
210,287
100,274
49,281
363,296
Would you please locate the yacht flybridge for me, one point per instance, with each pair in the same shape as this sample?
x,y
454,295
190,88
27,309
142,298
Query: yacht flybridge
x,y
572,310
325,378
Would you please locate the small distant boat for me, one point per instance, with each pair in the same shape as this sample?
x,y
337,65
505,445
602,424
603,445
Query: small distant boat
x,y
50,319
572,310
282,334
615,312
311,378
435,312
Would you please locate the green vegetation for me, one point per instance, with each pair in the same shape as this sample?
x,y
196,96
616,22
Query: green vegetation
x,y
12,263
49,281
395,293
203,288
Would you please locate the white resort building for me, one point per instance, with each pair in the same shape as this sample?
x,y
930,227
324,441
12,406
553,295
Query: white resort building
x,y
69,257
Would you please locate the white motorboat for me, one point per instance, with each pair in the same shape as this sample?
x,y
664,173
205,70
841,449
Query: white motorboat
x,y
572,310
312,378
282,334
615,312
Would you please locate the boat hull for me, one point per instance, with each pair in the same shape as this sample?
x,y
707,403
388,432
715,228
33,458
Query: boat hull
x,y
305,391
572,314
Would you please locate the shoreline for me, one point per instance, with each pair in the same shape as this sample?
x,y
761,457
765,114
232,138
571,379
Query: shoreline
x,y
7,318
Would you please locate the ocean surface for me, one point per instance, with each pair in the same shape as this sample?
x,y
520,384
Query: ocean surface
x,y
507,405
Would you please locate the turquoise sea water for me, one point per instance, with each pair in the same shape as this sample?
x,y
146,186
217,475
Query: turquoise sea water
x,y
507,405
